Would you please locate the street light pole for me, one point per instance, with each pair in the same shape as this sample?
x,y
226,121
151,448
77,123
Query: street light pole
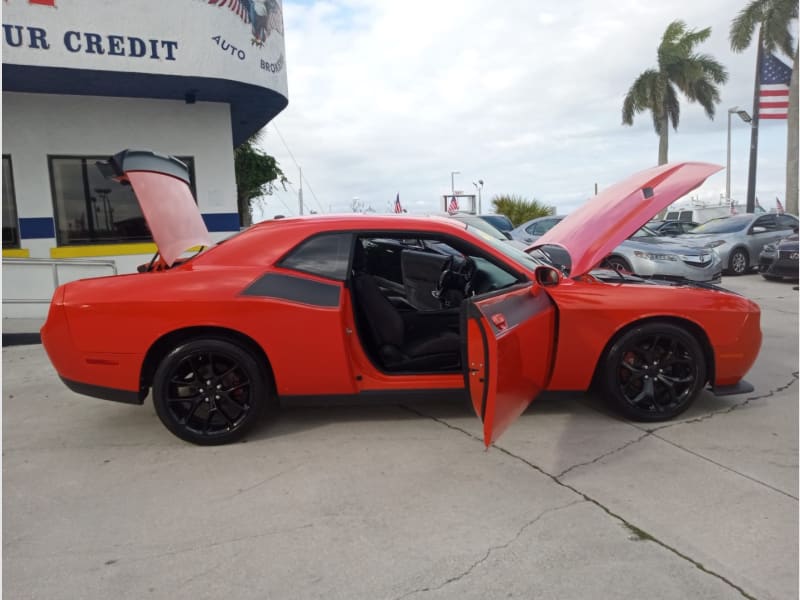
x,y
747,119
453,181
300,190
479,187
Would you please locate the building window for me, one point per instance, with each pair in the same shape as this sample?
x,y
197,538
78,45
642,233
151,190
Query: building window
x,y
90,209
10,223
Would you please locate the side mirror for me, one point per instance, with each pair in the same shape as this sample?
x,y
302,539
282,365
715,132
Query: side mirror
x,y
547,276
758,229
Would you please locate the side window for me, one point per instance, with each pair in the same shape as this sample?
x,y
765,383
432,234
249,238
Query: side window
x,y
767,221
326,255
90,209
542,227
784,221
531,229
10,223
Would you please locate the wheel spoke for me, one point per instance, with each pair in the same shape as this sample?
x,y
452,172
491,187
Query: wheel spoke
x,y
636,371
209,416
674,380
192,410
173,399
225,416
670,389
238,386
647,393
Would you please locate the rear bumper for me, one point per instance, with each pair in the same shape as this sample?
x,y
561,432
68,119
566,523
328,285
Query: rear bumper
x,y
111,376
104,393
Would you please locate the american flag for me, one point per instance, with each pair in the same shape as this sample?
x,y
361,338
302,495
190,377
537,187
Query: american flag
x,y
778,205
773,94
398,208
453,206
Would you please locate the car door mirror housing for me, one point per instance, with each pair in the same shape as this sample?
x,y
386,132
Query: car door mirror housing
x,y
547,276
759,229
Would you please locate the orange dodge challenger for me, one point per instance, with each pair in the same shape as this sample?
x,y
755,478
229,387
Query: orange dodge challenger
x,y
392,306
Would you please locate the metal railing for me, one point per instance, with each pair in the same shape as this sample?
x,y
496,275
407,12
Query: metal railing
x,y
38,264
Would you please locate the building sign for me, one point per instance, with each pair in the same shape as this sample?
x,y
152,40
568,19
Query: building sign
x,y
239,40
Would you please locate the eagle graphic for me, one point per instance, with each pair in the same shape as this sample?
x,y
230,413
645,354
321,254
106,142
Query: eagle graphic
x,y
263,16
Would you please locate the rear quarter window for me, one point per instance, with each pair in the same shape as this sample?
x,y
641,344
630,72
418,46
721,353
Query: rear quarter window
x,y
325,255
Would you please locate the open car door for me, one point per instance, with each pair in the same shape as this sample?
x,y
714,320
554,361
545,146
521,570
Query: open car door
x,y
510,345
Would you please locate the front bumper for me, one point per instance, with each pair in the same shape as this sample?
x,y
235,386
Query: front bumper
x,y
778,267
743,387
678,270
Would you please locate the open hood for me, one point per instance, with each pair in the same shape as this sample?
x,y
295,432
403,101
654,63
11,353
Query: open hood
x,y
590,233
161,186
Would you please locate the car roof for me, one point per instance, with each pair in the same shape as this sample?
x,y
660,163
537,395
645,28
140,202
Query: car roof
x,y
357,221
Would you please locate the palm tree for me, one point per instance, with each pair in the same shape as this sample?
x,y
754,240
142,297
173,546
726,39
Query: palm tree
x,y
697,76
773,18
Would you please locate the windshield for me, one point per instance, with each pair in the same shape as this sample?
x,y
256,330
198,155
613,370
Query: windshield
x,y
478,223
644,232
507,248
724,224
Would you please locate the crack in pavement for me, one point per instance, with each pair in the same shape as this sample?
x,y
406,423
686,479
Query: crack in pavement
x,y
605,455
489,552
260,483
207,546
644,534
730,409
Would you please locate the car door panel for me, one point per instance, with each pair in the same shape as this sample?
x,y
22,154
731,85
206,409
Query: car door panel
x,y
509,352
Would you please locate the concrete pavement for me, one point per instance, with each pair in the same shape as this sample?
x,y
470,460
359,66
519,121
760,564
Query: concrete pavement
x,y
99,500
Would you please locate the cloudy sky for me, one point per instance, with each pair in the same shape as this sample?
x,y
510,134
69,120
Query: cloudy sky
x,y
391,96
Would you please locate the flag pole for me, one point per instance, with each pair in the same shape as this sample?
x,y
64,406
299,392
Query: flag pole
x,y
751,176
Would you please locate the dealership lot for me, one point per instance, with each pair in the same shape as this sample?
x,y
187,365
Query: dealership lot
x,y
100,500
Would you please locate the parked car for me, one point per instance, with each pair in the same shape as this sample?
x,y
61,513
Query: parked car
x,y
649,255
532,230
779,260
739,239
645,254
671,228
296,308
500,222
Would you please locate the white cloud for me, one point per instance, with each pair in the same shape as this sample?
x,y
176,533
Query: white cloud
x,y
391,96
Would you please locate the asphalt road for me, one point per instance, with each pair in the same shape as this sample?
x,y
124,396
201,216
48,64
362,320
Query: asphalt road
x,y
396,502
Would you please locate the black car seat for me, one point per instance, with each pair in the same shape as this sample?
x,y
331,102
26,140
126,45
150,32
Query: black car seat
x,y
421,273
397,349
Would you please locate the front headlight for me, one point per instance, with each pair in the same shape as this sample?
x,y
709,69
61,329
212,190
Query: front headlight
x,y
715,244
654,256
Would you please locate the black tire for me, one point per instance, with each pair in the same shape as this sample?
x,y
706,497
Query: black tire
x,y
210,391
617,263
738,262
653,372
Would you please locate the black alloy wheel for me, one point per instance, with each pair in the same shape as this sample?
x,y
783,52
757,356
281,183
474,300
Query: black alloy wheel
x,y
654,372
738,262
209,391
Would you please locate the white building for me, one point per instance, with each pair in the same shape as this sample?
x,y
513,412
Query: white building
x,y
84,79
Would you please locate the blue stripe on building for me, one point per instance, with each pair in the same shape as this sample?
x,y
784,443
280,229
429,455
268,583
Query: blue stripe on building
x,y
221,221
37,228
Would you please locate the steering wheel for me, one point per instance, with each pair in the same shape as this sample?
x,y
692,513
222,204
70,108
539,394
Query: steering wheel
x,y
455,281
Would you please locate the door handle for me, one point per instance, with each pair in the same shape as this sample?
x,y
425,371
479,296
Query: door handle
x,y
500,321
